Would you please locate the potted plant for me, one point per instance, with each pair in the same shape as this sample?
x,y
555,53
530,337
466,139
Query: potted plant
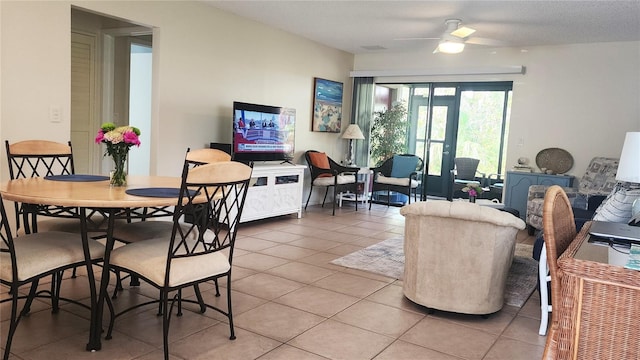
x,y
389,133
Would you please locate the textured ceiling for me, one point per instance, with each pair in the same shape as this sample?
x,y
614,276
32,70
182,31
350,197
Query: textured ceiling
x,y
376,26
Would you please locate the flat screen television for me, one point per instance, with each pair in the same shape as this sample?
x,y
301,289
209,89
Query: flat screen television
x,y
263,132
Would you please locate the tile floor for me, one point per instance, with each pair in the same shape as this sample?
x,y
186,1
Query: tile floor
x,y
289,302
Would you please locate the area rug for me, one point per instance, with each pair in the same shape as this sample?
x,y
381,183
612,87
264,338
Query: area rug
x,y
387,258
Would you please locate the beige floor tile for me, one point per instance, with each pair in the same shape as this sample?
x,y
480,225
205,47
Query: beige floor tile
x,y
258,262
335,340
250,243
392,295
317,301
300,272
514,350
450,338
73,348
401,350
532,307
277,321
315,243
278,236
147,326
265,286
303,230
288,252
493,324
322,259
42,328
379,318
344,249
286,352
350,284
525,329
214,344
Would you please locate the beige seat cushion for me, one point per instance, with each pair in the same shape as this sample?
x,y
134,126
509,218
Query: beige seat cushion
x,y
145,230
149,259
328,181
46,251
396,181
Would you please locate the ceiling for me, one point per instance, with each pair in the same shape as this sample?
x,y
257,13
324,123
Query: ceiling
x,y
375,26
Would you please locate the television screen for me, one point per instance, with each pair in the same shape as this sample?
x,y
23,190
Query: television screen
x,y
262,132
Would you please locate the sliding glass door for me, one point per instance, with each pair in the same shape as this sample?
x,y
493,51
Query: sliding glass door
x,y
449,120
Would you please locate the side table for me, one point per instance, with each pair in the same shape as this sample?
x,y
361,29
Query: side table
x,y
364,177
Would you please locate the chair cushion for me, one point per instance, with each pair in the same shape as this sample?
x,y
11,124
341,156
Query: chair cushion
x,y
149,259
403,166
45,251
320,160
328,181
617,206
396,181
145,230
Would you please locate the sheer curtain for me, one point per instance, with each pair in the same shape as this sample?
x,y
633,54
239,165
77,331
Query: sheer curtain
x,y
361,114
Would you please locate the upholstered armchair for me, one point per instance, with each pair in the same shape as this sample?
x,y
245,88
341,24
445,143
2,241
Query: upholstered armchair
x,y
458,255
596,183
398,173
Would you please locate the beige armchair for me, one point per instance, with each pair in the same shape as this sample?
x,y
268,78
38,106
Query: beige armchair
x,y
458,255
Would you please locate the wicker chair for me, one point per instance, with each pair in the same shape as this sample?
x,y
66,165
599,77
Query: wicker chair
x,y
559,231
394,177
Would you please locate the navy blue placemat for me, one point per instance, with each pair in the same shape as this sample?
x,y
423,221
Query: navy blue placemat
x,y
157,192
77,177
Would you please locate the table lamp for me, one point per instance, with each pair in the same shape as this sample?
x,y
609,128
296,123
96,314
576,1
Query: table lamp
x,y
629,165
353,132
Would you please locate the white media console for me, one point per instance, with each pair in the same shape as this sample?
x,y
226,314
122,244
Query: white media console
x,y
274,190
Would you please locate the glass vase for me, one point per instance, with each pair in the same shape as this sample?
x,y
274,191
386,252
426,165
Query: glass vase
x,y
119,173
472,198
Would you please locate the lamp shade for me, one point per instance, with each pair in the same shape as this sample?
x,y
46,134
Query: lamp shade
x,y
353,132
629,166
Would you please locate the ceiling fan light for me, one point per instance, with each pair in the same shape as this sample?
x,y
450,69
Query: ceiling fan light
x,y
450,47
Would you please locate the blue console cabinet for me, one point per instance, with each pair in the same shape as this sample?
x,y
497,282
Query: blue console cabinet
x,y
517,185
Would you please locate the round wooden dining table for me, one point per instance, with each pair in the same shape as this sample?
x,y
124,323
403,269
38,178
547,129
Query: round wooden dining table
x,y
90,195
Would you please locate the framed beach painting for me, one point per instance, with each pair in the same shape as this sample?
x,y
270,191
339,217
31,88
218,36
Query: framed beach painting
x,y
327,105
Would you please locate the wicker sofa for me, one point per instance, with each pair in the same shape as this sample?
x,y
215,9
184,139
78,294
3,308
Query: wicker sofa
x,y
596,183
458,255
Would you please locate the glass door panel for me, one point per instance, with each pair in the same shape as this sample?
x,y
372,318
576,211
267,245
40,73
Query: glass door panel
x,y
441,141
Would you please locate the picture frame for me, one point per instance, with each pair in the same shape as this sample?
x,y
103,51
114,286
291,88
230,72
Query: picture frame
x,y
327,105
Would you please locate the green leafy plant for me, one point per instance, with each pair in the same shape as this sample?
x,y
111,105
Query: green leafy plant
x,y
389,133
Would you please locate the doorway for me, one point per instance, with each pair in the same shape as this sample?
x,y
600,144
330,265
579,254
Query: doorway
x,y
101,87
449,120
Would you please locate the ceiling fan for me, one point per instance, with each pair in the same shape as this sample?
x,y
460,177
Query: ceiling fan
x,y
454,38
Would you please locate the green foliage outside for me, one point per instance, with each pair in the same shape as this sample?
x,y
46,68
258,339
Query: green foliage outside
x,y
389,133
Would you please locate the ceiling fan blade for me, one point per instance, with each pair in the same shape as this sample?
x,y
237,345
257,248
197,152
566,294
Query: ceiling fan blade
x,y
485,41
463,32
416,38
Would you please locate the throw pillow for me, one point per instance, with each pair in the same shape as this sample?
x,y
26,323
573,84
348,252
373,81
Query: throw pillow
x,y
617,206
403,166
320,160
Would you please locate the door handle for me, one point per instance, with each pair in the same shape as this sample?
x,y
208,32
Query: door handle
x,y
445,153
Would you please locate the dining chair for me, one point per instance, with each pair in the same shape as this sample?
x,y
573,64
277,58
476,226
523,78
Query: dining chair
x,y
325,172
132,232
559,231
31,158
398,173
176,260
27,259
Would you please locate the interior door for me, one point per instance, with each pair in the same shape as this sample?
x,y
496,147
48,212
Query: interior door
x,y
83,102
441,146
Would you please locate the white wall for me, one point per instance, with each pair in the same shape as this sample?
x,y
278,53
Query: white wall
x,y
204,59
582,98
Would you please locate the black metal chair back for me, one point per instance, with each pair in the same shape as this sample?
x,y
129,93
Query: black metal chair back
x,y
37,158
